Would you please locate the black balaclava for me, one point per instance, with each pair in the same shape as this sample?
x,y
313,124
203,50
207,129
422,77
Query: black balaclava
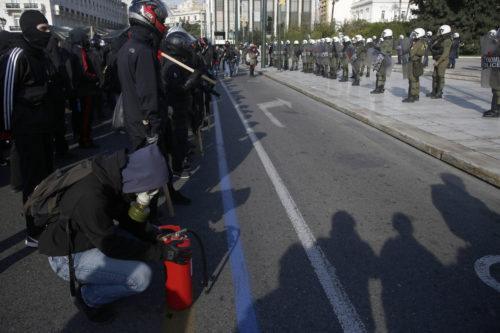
x,y
36,38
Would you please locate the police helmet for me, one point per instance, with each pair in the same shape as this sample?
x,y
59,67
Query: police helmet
x,y
456,35
444,30
336,40
492,33
178,43
359,38
369,40
346,39
150,14
304,41
429,33
287,42
387,33
328,40
417,33
296,42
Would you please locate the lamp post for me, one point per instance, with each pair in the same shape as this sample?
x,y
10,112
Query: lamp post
x,y
263,19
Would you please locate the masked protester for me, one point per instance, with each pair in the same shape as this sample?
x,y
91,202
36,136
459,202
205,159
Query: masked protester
x,y
108,260
138,71
84,84
25,111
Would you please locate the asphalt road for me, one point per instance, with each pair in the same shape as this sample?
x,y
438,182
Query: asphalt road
x,y
312,222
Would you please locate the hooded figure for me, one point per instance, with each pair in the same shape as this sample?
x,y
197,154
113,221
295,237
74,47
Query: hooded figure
x,y
84,86
108,260
25,110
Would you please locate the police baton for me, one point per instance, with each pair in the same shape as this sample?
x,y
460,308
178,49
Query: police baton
x,y
186,67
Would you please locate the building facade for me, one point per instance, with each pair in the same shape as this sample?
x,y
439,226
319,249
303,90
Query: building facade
x,y
190,11
381,10
222,19
111,14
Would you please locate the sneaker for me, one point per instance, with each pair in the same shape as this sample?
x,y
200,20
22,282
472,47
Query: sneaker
x,y
97,315
181,174
31,241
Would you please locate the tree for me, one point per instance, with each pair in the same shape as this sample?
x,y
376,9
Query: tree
x,y
470,18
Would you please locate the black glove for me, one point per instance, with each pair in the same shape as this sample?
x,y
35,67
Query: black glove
x,y
178,255
192,80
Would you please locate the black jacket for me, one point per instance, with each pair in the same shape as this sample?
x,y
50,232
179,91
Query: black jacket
x,y
138,71
92,204
26,91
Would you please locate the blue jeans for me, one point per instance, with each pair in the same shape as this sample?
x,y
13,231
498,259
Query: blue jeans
x,y
104,279
227,68
236,66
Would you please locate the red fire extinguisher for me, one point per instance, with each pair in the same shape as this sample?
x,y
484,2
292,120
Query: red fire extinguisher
x,y
178,282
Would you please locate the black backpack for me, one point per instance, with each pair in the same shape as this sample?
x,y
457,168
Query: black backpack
x,y
43,204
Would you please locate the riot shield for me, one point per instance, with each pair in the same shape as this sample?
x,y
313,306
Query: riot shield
x,y
490,62
405,57
353,58
378,61
338,48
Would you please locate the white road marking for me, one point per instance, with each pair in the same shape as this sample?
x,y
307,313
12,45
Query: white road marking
x,y
482,268
274,104
346,313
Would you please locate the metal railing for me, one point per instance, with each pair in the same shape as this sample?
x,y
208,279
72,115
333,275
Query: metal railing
x,y
15,28
30,5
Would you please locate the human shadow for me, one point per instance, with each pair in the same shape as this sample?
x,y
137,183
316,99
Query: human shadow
x,y
355,263
475,305
399,92
462,102
409,274
299,303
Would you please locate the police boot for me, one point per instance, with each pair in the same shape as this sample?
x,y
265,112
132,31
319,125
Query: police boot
x,y
438,95
367,73
356,82
433,92
493,113
333,75
409,99
343,79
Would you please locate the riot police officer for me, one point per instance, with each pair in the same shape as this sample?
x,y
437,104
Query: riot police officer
x,y
494,72
441,54
416,67
345,59
386,49
296,51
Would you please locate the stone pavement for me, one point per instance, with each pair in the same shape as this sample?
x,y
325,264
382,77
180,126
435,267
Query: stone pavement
x,y
451,129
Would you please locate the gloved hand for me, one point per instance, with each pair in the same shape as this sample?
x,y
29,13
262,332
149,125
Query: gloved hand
x,y
178,255
192,80
152,139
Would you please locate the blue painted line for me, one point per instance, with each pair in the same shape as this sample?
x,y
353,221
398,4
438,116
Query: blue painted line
x,y
247,321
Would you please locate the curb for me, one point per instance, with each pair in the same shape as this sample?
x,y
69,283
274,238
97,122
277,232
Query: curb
x,y
474,163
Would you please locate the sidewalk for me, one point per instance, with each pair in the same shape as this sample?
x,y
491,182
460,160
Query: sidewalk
x,y
451,129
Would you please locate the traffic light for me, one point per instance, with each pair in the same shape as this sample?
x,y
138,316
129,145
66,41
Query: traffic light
x,y
269,25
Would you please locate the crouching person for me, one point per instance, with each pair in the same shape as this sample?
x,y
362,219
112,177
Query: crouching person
x,y
109,259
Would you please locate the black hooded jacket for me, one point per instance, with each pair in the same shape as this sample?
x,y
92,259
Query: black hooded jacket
x,y
92,204
82,74
139,73
26,90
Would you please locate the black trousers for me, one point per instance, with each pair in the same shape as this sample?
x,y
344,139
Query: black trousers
x,y
36,162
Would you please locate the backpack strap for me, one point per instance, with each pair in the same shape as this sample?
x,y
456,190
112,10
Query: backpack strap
x,y
71,264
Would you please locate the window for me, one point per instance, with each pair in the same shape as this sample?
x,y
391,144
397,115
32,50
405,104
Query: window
x,y
383,15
